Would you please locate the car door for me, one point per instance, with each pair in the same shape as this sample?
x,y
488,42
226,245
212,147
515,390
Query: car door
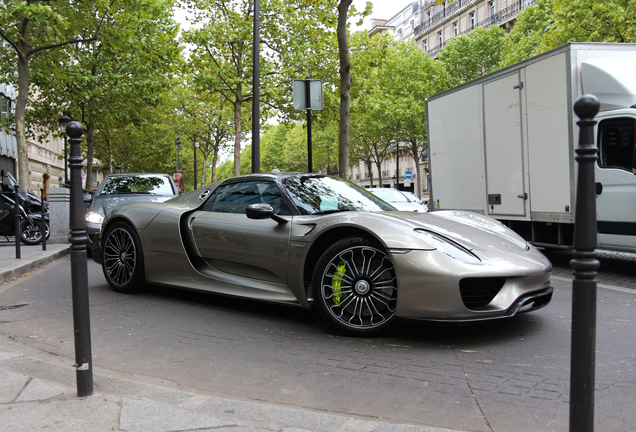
x,y
254,252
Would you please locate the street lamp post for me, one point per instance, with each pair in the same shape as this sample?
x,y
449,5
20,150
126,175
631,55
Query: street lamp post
x,y
63,121
196,146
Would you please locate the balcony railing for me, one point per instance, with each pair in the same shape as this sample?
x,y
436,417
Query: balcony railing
x,y
500,17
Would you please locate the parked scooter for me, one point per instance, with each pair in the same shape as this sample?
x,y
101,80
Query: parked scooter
x,y
30,213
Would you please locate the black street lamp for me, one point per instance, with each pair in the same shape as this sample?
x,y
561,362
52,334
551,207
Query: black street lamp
x,y
63,121
196,146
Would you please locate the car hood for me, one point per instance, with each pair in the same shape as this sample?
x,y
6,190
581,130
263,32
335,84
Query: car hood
x,y
104,204
471,230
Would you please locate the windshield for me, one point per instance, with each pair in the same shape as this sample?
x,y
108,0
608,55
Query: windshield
x,y
322,194
137,184
390,195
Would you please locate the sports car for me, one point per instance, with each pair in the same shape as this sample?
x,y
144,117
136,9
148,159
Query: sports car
x,y
312,240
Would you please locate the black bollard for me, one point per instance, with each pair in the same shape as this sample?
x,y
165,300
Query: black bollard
x,y
584,265
44,214
16,218
79,269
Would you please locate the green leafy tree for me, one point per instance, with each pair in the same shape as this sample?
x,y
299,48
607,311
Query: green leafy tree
x,y
591,21
116,82
207,119
30,29
471,56
406,79
526,37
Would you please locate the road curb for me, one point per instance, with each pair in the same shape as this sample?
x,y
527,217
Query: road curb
x,y
21,267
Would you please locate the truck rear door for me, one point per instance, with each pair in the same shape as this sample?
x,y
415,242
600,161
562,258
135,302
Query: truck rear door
x,y
504,147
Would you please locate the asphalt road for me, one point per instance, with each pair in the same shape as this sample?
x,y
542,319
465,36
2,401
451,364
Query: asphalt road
x,y
498,376
616,268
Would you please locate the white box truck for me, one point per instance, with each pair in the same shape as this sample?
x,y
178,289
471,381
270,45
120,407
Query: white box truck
x,y
503,144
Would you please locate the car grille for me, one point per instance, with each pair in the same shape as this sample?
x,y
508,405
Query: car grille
x,y
479,292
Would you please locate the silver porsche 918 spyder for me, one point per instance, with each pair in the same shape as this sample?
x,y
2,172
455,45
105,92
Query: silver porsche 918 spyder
x,y
314,240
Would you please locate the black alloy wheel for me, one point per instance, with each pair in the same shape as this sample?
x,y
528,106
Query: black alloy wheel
x,y
122,259
355,287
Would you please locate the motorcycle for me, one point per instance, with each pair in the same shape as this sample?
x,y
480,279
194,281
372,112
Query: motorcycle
x,y
30,212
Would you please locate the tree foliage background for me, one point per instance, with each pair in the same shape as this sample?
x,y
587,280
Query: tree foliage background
x,y
136,81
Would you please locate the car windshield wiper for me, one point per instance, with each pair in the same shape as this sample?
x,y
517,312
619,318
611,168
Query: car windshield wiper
x,y
333,211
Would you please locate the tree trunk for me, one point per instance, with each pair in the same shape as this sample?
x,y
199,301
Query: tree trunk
x,y
379,165
23,174
215,160
345,88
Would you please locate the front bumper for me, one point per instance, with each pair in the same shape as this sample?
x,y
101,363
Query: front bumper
x,y
433,286
526,303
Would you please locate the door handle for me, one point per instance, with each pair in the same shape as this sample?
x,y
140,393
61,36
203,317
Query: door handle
x,y
599,188
523,196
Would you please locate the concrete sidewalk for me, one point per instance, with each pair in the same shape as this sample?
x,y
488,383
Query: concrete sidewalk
x,y
39,393
38,390
31,258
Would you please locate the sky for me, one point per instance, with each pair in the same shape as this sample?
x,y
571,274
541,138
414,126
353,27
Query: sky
x,y
382,9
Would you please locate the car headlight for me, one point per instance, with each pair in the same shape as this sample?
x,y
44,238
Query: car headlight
x,y
94,217
448,247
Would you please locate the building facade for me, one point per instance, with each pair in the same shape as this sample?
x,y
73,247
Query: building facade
x,y
431,25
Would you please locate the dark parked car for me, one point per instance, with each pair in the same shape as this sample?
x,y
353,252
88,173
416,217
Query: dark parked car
x,y
117,189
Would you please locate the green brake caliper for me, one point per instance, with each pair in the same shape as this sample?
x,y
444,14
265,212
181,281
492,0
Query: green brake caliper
x,y
336,282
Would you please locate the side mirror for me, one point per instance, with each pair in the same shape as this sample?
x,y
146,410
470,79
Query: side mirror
x,y
263,211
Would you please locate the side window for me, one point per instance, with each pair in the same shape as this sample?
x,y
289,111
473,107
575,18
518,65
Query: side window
x,y
235,197
616,144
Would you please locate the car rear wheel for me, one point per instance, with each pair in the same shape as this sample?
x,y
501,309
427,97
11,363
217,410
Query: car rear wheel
x,y
355,287
122,259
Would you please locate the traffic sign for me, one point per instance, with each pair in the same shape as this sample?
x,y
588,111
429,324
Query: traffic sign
x,y
408,175
308,95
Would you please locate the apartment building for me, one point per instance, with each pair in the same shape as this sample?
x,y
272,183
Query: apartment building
x,y
441,22
431,25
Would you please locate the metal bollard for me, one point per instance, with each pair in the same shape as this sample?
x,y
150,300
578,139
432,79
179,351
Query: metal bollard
x,y
582,357
44,214
79,268
17,226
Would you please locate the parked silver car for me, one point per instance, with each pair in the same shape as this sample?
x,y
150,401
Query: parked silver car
x,y
397,199
313,240
414,198
117,189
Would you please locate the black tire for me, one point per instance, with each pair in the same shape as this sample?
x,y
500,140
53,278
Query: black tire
x,y
31,234
122,259
355,287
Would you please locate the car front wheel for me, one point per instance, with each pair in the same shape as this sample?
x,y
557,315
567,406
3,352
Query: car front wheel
x,y
355,287
122,258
